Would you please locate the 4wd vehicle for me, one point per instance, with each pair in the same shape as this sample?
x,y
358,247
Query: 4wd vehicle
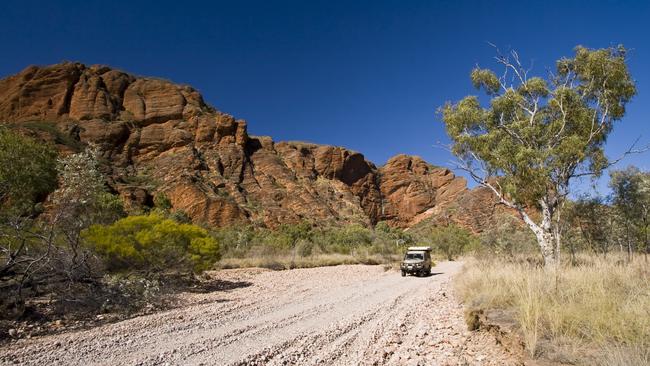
x,y
417,261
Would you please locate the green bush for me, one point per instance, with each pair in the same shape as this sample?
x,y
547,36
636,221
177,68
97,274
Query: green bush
x,y
303,240
162,202
27,171
453,240
508,238
152,242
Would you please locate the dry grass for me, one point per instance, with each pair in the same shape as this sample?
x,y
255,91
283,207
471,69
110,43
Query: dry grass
x,y
594,313
320,260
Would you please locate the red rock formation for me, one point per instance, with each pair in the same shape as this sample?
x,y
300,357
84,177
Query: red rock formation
x,y
411,188
161,137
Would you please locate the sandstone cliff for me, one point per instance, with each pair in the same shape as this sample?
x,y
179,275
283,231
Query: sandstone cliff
x,y
159,137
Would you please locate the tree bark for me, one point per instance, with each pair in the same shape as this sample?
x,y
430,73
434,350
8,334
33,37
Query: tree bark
x,y
546,240
548,237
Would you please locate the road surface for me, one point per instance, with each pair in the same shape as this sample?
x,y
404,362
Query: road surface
x,y
343,315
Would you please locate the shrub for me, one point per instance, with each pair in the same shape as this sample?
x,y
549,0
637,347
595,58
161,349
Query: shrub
x,y
452,240
27,171
161,201
152,242
508,238
302,245
82,199
44,254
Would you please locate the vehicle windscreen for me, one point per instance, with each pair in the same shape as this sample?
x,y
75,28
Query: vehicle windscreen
x,y
419,256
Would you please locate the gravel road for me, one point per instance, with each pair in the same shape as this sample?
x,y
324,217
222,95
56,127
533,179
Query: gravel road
x,y
343,315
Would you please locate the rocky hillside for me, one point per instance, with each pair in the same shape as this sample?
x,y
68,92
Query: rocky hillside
x,y
159,137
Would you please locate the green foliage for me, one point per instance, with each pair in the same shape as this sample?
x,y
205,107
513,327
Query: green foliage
x,y
82,199
383,227
180,217
153,242
161,201
27,171
352,235
453,240
534,133
303,240
537,134
508,238
630,191
59,137
593,218
631,200
44,254
293,233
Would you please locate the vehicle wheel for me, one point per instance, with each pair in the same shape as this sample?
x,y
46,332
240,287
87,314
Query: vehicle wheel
x,y
403,274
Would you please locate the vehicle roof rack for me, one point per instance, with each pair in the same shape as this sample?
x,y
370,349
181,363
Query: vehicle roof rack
x,y
420,249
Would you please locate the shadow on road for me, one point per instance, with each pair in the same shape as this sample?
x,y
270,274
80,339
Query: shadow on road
x,y
428,275
218,285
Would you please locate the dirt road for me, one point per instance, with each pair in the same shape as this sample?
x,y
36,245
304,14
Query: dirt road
x,y
344,315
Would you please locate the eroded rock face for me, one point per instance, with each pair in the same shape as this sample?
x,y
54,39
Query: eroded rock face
x,y
79,92
38,93
412,188
159,137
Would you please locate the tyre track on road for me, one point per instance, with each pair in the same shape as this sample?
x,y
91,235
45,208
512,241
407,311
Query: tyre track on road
x,y
342,315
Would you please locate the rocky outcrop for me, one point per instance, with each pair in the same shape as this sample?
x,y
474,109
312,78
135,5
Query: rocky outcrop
x,y
159,137
412,189
75,91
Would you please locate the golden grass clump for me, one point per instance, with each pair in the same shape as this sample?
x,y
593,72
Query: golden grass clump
x,y
594,313
280,262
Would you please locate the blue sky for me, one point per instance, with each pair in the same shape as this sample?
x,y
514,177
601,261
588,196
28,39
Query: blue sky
x,y
367,75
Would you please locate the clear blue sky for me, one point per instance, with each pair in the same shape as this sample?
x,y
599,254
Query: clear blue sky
x,y
367,75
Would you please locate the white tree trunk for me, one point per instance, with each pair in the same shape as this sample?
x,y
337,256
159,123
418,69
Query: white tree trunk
x,y
546,238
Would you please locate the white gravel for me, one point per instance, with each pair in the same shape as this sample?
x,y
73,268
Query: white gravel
x,y
343,315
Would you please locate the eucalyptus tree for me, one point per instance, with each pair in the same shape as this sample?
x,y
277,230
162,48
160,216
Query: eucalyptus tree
x,y
538,133
593,217
631,198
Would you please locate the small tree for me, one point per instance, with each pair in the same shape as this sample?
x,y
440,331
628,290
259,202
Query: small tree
x,y
27,173
508,237
27,176
537,134
593,218
295,233
452,240
80,201
631,199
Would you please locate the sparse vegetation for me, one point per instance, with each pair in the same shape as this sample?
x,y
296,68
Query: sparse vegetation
x,y
43,254
452,240
58,136
305,245
595,313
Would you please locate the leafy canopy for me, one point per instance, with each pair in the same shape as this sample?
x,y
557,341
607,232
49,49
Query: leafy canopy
x,y
82,198
27,171
630,191
538,133
452,240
